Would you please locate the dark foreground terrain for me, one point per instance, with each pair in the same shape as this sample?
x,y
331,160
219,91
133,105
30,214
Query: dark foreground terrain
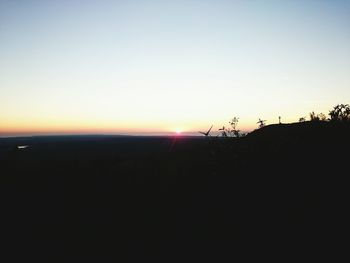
x,y
276,193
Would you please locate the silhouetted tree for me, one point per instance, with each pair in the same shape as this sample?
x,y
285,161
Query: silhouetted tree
x,y
340,112
302,119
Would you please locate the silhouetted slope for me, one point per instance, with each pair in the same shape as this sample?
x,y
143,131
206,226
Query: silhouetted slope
x,y
282,188
302,142
310,129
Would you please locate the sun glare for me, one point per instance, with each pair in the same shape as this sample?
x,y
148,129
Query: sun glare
x,y
178,132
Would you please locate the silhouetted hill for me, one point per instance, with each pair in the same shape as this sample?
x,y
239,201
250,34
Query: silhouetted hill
x,y
310,129
281,188
301,141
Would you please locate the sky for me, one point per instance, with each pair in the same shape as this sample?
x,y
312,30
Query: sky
x,y
147,67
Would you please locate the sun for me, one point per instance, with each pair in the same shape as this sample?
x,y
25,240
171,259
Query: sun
x,y
178,131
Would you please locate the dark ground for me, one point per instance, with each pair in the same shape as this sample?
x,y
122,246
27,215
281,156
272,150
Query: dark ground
x,y
276,193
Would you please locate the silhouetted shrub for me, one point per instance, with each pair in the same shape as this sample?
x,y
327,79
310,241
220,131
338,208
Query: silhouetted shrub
x,y
340,112
233,131
322,117
317,117
262,123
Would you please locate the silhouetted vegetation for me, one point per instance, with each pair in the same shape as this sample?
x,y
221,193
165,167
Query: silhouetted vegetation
x,y
317,117
232,131
261,123
340,112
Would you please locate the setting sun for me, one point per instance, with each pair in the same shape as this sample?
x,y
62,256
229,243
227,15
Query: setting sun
x,y
178,131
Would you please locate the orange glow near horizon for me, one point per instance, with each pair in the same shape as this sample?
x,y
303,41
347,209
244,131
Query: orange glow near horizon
x,y
33,127
107,126
157,67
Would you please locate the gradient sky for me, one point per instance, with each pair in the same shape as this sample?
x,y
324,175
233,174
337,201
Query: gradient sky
x,y
160,66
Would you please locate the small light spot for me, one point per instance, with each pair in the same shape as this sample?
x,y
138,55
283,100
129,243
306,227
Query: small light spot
x,y
22,146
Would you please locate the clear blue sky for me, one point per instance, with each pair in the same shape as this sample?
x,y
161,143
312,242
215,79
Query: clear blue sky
x,y
158,66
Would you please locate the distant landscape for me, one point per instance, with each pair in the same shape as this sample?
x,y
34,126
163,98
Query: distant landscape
x,y
174,131
280,186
